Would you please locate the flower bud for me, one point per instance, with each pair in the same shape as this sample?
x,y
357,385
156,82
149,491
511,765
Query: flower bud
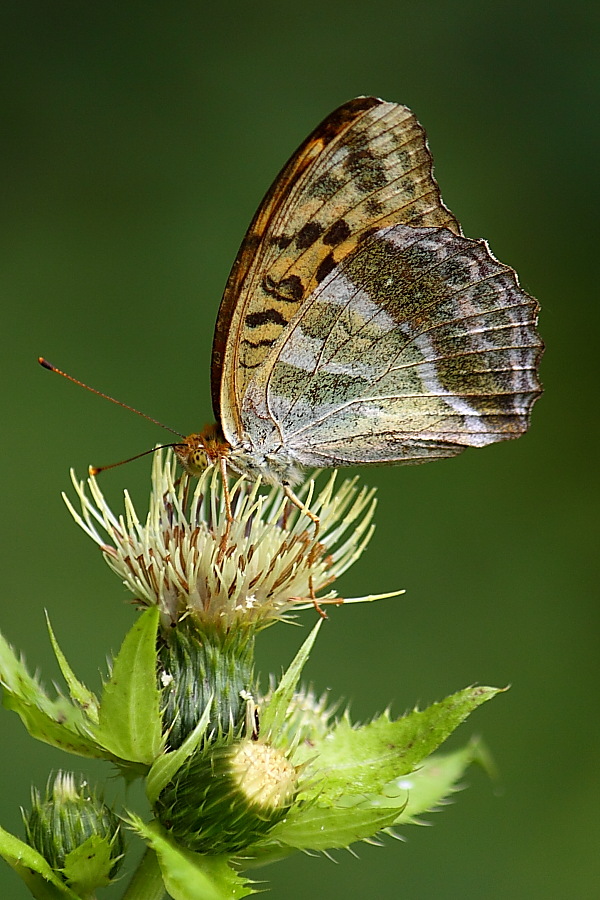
x,y
77,834
227,797
196,666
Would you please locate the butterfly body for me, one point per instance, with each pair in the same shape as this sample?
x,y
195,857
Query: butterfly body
x,y
271,463
358,324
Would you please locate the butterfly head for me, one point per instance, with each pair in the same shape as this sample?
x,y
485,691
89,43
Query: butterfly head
x,y
197,452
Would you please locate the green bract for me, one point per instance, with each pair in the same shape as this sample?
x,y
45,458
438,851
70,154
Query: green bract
x,y
195,667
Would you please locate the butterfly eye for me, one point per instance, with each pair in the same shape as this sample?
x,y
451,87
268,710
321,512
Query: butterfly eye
x,y
193,454
199,459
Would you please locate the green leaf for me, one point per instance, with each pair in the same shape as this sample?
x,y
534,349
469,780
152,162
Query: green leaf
x,y
328,828
56,722
87,867
357,817
362,779
353,761
85,698
273,716
191,876
39,877
433,782
165,766
130,722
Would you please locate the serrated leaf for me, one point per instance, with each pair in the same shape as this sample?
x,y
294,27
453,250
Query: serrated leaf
x,y
273,716
433,782
353,761
130,721
41,880
87,867
191,876
360,817
85,698
56,733
328,828
425,788
56,722
164,767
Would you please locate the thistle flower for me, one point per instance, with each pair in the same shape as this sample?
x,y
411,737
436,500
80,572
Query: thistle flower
x,y
272,563
239,778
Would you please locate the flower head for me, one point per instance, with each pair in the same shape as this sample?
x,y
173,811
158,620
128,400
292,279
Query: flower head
x,y
272,562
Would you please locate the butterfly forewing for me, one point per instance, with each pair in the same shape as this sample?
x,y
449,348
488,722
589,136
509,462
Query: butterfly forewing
x,y
419,344
366,166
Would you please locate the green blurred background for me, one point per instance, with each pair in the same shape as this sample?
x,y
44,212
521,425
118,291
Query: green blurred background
x,y
138,139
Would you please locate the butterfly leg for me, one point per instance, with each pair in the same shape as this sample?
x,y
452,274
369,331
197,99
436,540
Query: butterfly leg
x,y
302,507
315,602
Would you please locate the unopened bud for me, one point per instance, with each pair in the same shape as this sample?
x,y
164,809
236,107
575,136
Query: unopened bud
x,y
225,798
77,834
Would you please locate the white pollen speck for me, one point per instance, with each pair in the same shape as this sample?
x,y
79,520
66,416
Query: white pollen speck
x,y
166,679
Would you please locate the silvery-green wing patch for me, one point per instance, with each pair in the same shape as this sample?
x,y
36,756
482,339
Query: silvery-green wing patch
x,y
365,167
417,345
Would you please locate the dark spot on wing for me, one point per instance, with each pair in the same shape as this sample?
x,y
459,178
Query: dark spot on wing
x,y
266,342
308,234
265,317
337,233
366,170
456,272
373,207
325,187
282,241
325,267
246,365
290,289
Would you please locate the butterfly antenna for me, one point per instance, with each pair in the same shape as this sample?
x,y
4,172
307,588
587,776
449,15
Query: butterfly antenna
x,y
47,365
95,470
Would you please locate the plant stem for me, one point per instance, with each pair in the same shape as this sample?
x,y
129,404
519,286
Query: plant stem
x,y
147,882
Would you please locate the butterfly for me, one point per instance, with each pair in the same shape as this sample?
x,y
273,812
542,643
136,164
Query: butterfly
x,y
358,325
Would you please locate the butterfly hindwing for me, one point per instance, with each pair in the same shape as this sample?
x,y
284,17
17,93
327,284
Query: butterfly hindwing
x,y
366,166
417,345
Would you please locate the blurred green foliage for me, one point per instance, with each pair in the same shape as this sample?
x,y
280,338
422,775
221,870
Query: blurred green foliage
x,y
137,141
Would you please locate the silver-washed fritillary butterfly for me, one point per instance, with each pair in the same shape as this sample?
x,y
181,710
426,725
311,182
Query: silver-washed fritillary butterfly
x,y
358,324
